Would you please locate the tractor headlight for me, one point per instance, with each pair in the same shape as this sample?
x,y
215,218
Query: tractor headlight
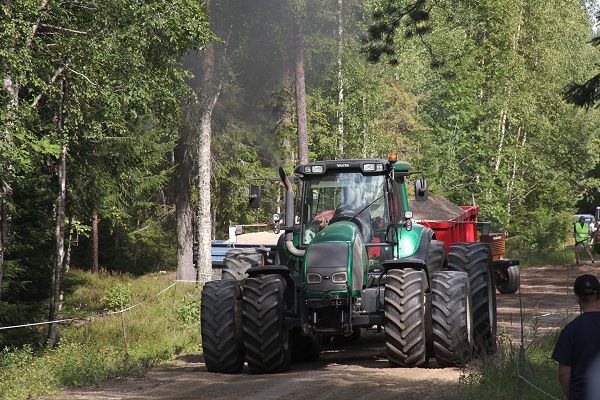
x,y
314,169
339,277
368,167
313,278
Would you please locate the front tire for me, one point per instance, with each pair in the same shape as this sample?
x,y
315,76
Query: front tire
x,y
266,338
220,327
452,318
476,260
405,318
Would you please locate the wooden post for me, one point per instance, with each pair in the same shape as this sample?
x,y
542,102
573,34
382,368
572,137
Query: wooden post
x,y
175,297
123,323
95,242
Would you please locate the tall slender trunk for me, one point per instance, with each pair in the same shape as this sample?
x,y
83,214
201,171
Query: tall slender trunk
x,y
3,228
59,227
95,242
365,146
520,148
208,98
204,204
340,113
183,203
301,120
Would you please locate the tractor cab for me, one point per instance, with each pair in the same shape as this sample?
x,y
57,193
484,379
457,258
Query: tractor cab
x,y
371,194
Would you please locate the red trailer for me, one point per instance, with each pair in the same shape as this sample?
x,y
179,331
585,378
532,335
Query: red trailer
x,y
455,224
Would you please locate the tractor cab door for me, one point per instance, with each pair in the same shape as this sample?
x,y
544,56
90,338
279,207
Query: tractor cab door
x,y
380,249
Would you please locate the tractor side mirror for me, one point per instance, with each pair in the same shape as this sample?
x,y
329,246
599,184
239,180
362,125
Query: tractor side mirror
x,y
421,191
254,196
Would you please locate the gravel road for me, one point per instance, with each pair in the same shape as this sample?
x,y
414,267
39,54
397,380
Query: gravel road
x,y
358,372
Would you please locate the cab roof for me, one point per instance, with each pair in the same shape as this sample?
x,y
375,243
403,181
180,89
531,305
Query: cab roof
x,y
355,164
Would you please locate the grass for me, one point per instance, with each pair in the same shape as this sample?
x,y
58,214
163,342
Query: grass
x,y
496,377
93,351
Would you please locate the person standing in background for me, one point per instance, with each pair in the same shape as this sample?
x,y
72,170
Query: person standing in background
x,y
581,231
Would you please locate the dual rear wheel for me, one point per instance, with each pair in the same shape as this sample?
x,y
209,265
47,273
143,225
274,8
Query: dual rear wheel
x,y
460,316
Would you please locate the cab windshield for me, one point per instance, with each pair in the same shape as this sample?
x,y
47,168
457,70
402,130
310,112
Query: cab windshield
x,y
344,196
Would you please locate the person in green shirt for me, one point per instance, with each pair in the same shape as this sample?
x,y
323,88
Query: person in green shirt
x,y
582,238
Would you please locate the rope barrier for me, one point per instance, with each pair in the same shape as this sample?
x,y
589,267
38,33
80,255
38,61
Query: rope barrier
x,y
536,387
110,313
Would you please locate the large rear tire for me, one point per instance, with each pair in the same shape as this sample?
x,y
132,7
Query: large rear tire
x,y
476,260
510,283
238,261
220,327
405,318
452,318
436,258
266,338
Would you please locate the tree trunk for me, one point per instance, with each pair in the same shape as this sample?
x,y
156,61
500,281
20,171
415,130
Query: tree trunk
x,y
3,228
301,122
59,236
95,242
209,95
183,205
340,113
59,228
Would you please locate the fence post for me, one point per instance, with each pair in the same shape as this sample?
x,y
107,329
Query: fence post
x,y
123,323
175,297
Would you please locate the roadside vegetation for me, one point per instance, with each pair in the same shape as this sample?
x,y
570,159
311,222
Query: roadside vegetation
x,y
93,350
497,377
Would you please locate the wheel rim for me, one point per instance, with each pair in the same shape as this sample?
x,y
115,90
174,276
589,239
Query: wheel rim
x,y
469,306
490,295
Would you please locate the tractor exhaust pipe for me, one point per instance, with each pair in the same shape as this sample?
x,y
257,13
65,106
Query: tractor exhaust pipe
x,y
289,215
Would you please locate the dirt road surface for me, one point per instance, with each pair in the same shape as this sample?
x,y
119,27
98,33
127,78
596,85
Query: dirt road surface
x,y
359,372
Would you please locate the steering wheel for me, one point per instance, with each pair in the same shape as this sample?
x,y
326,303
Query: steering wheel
x,y
360,223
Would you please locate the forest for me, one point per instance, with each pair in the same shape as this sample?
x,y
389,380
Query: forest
x,y
129,129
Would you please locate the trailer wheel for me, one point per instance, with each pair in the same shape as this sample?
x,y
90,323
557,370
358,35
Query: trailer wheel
x,y
405,318
436,257
452,318
475,259
509,283
266,338
238,261
220,326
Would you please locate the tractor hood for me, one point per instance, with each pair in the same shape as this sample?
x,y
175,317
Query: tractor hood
x,y
336,252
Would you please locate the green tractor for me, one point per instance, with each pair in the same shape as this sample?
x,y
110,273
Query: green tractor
x,y
351,258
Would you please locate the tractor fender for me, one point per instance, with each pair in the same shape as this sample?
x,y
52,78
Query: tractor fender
x,y
415,243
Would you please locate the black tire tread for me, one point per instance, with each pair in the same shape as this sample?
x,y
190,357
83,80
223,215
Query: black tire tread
x,y
220,326
436,258
475,259
450,300
266,339
405,318
238,261
512,283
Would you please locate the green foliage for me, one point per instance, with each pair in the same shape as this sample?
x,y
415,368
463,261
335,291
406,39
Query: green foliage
x,y
117,297
93,351
189,311
496,378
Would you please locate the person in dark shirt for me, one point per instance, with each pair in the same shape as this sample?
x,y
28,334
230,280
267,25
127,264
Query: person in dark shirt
x,y
578,344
